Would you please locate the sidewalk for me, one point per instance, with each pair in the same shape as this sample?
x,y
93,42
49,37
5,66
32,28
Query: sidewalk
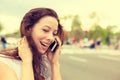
x,y
74,49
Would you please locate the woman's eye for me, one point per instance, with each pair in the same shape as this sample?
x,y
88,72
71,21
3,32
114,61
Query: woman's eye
x,y
45,30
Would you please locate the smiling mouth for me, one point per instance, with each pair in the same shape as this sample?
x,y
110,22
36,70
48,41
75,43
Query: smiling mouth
x,y
44,44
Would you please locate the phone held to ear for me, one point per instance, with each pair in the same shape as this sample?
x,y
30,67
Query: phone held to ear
x,y
54,46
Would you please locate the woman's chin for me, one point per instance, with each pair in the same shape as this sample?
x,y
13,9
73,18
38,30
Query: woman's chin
x,y
42,51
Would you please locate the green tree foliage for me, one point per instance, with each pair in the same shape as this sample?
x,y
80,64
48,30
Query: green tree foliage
x,y
77,31
110,34
1,27
110,30
96,31
117,34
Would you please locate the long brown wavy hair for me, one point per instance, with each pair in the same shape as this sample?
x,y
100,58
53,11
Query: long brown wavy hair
x,y
28,22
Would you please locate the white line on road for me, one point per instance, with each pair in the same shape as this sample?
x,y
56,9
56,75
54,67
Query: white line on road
x,y
111,58
78,59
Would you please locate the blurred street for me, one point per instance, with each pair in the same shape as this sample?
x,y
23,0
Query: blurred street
x,y
89,64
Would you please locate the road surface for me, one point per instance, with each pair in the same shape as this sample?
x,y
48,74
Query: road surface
x,y
89,64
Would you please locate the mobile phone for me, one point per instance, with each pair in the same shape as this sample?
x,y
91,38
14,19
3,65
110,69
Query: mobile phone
x,y
53,46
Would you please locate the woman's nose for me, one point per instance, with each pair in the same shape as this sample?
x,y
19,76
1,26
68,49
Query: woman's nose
x,y
51,37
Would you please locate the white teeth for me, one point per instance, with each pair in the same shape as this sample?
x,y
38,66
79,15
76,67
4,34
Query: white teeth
x,y
44,44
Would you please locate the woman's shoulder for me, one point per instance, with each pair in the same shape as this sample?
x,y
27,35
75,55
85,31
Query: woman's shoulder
x,y
10,65
7,73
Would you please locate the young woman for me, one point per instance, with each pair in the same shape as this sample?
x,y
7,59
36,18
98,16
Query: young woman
x,y
33,58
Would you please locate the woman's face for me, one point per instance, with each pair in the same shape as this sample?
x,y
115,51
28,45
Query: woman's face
x,y
44,32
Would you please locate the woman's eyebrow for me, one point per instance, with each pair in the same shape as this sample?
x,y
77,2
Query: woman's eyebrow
x,y
48,26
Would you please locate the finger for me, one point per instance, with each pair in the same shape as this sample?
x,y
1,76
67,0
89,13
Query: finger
x,y
58,39
21,43
18,43
25,40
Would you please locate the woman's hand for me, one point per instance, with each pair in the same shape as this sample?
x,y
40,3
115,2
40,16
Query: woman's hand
x,y
54,56
24,50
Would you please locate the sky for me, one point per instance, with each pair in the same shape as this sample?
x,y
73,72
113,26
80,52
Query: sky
x,y
12,12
